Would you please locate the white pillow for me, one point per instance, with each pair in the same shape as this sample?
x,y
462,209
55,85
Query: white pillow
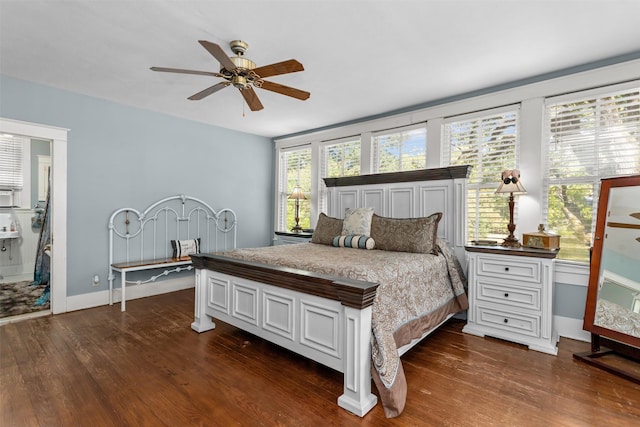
x,y
357,222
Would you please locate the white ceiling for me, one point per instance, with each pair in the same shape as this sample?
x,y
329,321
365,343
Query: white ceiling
x,y
361,58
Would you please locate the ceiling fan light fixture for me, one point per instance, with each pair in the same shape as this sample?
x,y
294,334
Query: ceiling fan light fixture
x,y
239,82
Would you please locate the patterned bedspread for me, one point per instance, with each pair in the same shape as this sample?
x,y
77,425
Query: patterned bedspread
x,y
415,293
617,318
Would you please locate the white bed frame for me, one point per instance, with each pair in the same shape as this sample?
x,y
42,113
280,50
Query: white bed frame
x,y
141,240
328,319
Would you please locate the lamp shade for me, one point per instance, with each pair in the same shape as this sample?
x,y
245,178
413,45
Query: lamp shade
x,y
511,183
297,193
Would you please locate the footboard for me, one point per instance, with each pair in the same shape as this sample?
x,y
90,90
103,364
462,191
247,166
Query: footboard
x,y
324,318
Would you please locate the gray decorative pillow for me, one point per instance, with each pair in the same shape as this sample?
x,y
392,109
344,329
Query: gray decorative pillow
x,y
326,229
406,234
351,241
357,222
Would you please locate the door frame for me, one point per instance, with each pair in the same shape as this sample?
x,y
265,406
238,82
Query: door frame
x,y
58,138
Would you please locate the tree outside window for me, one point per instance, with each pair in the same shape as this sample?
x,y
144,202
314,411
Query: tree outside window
x,y
588,139
400,150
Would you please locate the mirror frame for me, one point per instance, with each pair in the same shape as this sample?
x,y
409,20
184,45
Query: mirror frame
x,y
594,272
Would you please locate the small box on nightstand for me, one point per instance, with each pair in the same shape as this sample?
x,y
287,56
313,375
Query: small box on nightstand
x,y
541,240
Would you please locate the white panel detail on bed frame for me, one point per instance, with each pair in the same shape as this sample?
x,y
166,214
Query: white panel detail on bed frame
x,y
373,198
401,202
278,314
346,200
320,328
435,199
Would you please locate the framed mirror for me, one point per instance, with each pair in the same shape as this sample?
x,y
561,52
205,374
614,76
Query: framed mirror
x,y
612,312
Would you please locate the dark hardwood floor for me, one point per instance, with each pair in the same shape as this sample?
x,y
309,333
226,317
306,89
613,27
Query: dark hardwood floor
x,y
146,367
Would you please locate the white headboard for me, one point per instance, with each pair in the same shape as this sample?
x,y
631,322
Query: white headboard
x,y
409,194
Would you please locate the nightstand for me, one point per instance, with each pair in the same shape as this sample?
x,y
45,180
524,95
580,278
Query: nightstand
x,y
511,295
286,238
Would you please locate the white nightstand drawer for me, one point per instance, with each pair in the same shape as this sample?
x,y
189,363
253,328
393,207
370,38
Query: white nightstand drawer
x,y
515,296
516,268
518,323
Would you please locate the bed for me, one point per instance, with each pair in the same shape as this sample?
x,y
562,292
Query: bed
x,y
340,306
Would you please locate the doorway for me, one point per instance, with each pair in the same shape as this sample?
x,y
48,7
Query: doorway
x,y
57,138
24,225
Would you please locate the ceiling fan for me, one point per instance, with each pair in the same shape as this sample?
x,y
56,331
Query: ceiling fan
x,y
242,73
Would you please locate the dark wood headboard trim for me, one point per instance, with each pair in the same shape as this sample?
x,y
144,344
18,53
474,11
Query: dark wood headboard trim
x,y
351,293
434,174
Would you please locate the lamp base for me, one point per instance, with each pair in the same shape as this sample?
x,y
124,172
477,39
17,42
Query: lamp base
x,y
296,229
511,242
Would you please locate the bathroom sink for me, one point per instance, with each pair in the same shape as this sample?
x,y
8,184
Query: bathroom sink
x,y
9,234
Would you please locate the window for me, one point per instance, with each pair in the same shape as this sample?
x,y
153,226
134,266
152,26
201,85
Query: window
x,y
589,136
295,169
488,141
341,159
400,149
338,158
14,170
11,152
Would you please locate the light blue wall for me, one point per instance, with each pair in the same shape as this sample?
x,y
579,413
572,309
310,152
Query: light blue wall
x,y
121,156
621,264
569,300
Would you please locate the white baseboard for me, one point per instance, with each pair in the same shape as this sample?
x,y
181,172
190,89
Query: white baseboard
x,y
571,328
96,299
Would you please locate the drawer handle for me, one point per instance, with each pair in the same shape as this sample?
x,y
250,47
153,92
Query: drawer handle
x,y
506,294
506,320
506,269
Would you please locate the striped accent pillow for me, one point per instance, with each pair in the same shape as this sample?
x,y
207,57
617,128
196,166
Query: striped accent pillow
x,y
183,248
354,241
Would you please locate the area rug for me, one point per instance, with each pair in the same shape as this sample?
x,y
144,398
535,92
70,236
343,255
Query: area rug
x,y
20,298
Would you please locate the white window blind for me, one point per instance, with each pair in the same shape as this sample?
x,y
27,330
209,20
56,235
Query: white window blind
x,y
590,136
11,152
295,169
400,149
338,158
488,141
341,158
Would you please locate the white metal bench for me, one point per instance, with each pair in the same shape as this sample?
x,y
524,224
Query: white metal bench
x,y
142,240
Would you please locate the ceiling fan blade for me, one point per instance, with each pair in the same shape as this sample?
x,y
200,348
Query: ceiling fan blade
x,y
250,96
284,67
285,90
219,54
181,71
208,91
